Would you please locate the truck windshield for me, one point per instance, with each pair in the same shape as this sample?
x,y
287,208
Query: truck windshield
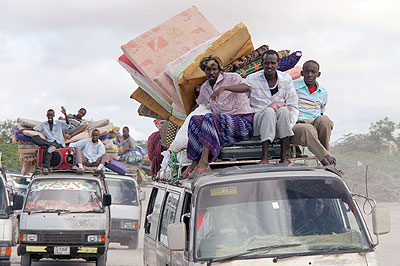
x,y
276,218
69,195
123,192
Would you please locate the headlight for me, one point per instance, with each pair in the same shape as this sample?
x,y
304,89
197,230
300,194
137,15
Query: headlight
x,y
96,238
28,237
5,251
129,225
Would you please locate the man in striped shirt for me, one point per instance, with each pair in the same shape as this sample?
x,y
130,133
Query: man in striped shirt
x,y
313,128
274,101
76,125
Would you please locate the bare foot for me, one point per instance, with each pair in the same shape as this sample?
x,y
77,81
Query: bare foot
x,y
263,161
285,160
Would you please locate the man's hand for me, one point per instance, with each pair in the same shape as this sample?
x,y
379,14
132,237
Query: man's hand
x,y
67,137
71,150
276,105
216,93
63,111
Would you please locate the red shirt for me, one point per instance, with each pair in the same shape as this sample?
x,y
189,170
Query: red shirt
x,y
312,89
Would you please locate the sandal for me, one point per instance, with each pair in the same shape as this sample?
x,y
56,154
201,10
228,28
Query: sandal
x,y
330,159
187,172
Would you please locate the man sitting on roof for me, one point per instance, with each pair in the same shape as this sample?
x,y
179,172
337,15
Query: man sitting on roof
x,y
314,128
231,120
126,142
53,130
90,152
75,122
274,100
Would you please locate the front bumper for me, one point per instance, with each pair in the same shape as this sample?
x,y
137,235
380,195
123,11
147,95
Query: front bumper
x,y
76,251
118,235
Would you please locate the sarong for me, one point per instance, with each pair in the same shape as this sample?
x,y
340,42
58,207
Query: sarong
x,y
216,131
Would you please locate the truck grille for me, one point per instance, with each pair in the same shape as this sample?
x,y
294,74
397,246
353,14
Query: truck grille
x,y
60,237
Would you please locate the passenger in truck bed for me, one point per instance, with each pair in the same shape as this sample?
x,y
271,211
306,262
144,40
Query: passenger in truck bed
x,y
274,100
231,119
314,128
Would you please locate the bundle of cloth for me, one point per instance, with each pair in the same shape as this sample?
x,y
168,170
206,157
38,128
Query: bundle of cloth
x,y
28,150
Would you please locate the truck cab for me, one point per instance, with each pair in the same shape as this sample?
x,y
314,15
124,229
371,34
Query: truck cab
x,y
65,216
126,209
8,221
260,215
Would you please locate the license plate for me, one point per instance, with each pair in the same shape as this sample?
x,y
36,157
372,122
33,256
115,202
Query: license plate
x,y
61,250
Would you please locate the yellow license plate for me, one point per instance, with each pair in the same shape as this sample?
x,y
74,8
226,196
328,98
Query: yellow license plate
x,y
36,249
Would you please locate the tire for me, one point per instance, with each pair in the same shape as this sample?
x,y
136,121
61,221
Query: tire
x,y
101,260
133,243
26,260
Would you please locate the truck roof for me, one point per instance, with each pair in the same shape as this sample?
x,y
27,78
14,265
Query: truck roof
x,y
65,174
254,172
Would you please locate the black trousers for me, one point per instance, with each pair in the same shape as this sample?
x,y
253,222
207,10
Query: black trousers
x,y
46,145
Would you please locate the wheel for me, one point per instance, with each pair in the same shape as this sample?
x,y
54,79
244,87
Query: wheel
x,y
26,260
102,260
133,243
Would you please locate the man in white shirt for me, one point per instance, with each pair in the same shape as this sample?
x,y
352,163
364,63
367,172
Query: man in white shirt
x,y
90,152
274,100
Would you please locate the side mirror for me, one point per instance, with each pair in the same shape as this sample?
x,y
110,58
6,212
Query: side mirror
x,y
106,200
176,233
9,210
142,195
18,202
380,220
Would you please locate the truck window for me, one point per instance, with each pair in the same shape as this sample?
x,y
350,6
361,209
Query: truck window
x,y
153,212
123,192
168,216
70,195
3,200
310,214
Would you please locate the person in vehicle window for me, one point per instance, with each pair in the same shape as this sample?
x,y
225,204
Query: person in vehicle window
x,y
314,128
75,121
317,220
90,152
231,120
53,130
274,100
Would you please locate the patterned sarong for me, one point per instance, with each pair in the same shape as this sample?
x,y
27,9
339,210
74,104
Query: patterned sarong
x,y
216,131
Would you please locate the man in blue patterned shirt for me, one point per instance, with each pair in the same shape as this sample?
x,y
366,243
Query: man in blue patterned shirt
x,y
313,128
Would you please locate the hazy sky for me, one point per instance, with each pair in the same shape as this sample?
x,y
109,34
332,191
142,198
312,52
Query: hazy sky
x,y
55,53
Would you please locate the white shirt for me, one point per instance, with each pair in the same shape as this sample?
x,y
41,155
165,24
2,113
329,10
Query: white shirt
x,y
90,151
260,93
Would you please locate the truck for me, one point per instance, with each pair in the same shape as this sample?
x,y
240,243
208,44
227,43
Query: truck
x,y
65,216
126,209
261,215
8,221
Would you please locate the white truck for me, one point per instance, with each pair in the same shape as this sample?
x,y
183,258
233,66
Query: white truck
x,y
260,215
65,216
8,221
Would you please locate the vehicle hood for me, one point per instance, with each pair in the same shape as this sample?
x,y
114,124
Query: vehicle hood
x,y
128,212
6,229
64,221
349,259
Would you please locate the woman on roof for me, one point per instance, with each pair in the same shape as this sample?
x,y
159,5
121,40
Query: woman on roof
x,y
231,119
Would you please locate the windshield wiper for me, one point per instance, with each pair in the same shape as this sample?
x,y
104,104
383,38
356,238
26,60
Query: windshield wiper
x,y
334,248
59,211
253,250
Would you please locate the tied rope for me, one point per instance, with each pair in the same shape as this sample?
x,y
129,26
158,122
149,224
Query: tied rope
x,y
173,163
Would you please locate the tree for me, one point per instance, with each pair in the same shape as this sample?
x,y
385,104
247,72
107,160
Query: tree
x,y
10,155
6,130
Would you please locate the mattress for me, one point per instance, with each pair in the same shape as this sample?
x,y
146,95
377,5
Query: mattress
x,y
230,46
153,50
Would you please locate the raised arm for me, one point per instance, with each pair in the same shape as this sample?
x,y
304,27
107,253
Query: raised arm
x,y
64,112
